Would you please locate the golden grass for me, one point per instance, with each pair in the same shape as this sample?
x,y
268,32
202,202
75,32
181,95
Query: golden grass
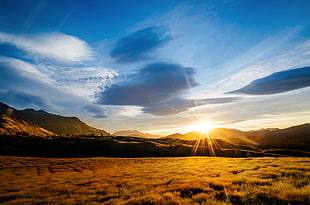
x,y
13,126
187,180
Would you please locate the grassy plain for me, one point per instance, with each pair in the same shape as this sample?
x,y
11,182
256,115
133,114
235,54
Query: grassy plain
x,y
177,180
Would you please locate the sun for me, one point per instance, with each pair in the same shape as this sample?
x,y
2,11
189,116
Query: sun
x,y
203,126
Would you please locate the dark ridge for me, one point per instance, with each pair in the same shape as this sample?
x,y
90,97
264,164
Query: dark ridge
x,y
55,123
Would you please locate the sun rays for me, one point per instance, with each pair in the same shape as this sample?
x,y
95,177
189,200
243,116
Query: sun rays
x,y
202,126
203,142
208,140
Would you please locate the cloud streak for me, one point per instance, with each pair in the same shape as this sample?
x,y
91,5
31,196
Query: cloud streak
x,y
21,68
56,47
140,44
278,82
178,105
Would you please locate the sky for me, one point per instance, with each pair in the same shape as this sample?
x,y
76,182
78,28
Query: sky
x,y
159,66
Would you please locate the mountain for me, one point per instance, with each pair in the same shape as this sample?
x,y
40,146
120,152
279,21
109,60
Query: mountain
x,y
174,136
216,133
13,126
298,131
51,122
135,133
296,137
188,136
292,138
292,141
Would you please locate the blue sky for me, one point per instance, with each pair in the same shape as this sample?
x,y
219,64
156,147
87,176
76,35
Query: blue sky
x,y
159,66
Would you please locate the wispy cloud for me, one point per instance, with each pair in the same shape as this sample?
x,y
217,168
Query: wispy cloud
x,y
140,44
56,47
23,68
296,56
270,46
84,81
178,105
22,82
278,82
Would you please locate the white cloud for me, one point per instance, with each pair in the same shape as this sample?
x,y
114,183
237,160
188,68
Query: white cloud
x,y
26,69
85,81
23,79
56,47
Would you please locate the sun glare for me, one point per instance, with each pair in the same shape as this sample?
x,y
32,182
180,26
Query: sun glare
x,y
203,126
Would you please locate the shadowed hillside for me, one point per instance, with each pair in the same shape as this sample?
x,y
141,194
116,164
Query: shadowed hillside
x,y
54,123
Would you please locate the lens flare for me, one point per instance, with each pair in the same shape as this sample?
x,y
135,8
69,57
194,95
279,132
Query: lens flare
x,y
203,126
203,143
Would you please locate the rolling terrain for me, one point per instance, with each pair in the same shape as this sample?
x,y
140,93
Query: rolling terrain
x,y
289,139
54,123
268,166
110,146
135,133
25,133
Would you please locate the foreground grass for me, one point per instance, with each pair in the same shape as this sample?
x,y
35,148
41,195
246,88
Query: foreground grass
x,y
188,180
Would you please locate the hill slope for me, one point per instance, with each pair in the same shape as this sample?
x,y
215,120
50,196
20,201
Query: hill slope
x,y
13,126
54,123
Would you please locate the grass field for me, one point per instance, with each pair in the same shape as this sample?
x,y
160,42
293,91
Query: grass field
x,y
181,180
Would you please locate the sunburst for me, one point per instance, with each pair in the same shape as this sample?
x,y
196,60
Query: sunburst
x,y
203,126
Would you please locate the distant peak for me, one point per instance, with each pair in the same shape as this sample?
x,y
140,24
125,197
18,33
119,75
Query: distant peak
x,y
33,110
29,109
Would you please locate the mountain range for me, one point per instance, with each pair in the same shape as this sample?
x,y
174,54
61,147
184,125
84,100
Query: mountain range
x,y
292,138
31,132
47,124
299,131
135,133
53,123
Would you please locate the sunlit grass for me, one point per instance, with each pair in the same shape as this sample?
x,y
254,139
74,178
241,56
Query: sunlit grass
x,y
188,180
